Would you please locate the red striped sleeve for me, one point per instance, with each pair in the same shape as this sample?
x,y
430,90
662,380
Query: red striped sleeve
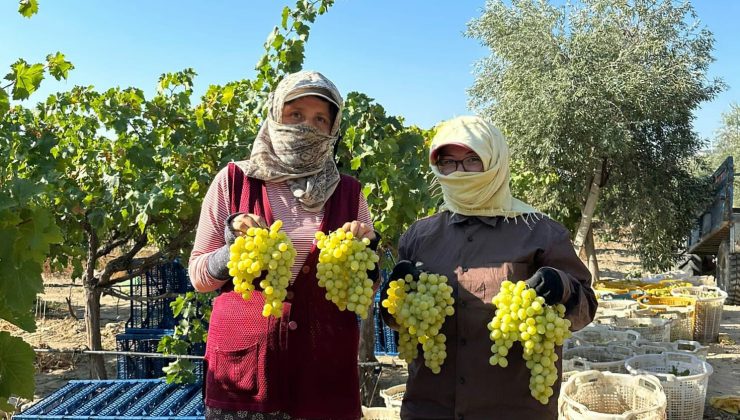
x,y
210,234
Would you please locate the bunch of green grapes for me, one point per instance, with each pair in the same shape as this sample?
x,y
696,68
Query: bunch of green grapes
x,y
523,316
420,307
342,270
262,250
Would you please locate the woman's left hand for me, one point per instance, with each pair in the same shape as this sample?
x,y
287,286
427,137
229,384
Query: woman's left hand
x,y
359,230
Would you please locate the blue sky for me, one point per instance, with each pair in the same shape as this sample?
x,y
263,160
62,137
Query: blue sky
x,y
410,55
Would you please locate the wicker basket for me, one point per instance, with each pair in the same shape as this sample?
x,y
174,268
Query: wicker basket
x,y
678,308
602,358
708,310
393,396
693,348
685,394
380,413
653,329
594,395
573,342
616,307
602,335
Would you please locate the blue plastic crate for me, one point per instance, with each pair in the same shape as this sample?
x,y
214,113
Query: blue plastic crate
x,y
170,277
140,367
386,340
128,399
391,341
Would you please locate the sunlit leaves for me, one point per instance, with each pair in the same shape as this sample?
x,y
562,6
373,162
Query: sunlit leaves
x,y
391,161
59,67
4,102
28,8
25,78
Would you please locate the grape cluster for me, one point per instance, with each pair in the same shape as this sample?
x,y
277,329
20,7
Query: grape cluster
x,y
522,316
342,270
420,307
262,250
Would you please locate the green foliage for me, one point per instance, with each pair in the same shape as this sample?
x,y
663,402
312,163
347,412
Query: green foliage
x,y
118,171
602,81
726,143
285,46
16,369
28,8
194,310
391,162
26,78
27,230
727,140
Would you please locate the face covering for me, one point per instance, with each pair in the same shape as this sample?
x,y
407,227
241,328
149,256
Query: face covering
x,y
297,154
485,193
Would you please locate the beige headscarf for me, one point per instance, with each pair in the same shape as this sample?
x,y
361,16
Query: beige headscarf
x,y
484,193
298,154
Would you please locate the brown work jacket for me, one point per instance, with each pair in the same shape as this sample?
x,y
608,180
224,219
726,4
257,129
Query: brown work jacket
x,y
477,254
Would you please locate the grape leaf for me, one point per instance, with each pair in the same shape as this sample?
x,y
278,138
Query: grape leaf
x,y
16,367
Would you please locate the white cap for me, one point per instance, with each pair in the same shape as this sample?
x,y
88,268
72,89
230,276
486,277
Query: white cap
x,y
311,91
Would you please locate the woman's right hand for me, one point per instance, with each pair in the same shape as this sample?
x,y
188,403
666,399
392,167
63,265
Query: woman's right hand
x,y
244,221
235,225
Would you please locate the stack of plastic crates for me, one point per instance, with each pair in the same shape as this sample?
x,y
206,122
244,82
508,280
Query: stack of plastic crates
x,y
680,309
166,278
386,339
141,367
120,399
151,320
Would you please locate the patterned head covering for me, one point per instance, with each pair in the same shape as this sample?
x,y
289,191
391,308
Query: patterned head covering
x,y
298,153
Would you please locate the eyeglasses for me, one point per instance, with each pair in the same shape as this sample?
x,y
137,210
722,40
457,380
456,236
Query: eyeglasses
x,y
469,164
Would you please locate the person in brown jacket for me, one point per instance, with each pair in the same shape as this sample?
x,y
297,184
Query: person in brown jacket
x,y
481,237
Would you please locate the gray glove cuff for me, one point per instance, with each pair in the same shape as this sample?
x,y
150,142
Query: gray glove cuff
x,y
217,263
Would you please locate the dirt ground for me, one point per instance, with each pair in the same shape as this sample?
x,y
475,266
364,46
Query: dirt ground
x,y
58,330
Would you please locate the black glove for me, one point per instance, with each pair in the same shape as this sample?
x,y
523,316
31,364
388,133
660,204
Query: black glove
x,y
399,271
548,284
217,261
404,267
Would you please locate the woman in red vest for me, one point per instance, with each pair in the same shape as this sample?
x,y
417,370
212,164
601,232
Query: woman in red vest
x,y
302,365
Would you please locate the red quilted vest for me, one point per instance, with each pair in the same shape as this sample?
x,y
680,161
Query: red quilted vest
x,y
303,364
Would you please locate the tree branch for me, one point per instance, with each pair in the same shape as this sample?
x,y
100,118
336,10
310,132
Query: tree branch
x,y
140,265
137,267
142,299
114,243
124,261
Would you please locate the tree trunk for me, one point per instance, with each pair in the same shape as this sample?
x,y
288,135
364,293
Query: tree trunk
x,y
92,306
590,250
589,208
94,342
368,372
